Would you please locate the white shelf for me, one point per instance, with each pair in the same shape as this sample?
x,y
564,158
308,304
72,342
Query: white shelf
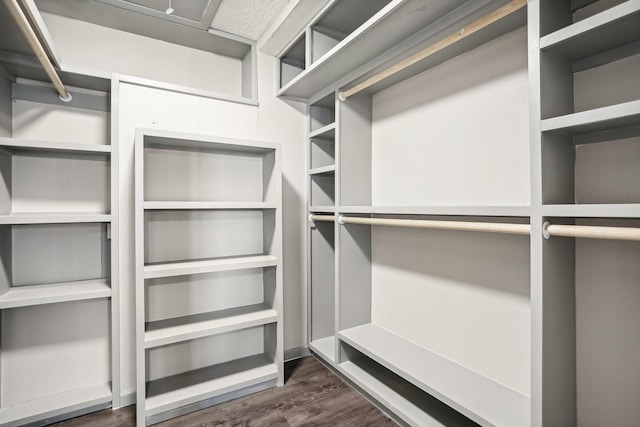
x,y
605,118
208,266
193,386
410,408
501,211
323,170
52,218
201,325
23,296
325,132
325,348
322,209
482,399
615,27
186,205
52,146
630,210
56,405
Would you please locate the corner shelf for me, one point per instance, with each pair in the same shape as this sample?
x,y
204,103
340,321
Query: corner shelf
x,y
171,269
483,400
50,407
194,386
325,348
23,296
186,328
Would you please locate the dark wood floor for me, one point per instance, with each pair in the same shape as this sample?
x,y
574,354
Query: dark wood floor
x,y
312,396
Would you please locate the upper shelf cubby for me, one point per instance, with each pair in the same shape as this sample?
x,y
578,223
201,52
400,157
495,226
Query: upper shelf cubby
x,y
350,33
293,61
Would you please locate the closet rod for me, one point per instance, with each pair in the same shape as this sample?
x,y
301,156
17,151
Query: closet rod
x,y
23,23
475,26
314,217
489,227
591,232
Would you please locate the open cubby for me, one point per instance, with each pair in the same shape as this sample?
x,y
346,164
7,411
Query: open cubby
x,y
293,61
41,379
322,289
439,314
322,113
340,21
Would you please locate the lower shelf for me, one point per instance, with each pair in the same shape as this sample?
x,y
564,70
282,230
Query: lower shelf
x,y
190,387
23,296
54,406
325,348
482,399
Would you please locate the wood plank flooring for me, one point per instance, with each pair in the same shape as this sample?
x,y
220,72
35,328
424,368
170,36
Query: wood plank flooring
x,y
312,396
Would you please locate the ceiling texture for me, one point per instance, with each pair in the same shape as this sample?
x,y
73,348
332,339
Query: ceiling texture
x,y
244,18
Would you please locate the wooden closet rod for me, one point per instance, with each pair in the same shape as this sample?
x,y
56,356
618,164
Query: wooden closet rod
x,y
23,23
591,232
475,26
489,227
314,217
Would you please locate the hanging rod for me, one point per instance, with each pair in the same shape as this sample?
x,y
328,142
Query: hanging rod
x,y
489,227
23,23
591,232
475,26
315,217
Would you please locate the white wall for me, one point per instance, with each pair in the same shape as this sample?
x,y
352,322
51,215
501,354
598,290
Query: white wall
x,y
89,46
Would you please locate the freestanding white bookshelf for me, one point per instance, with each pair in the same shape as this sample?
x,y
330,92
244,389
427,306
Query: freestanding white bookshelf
x,y
208,271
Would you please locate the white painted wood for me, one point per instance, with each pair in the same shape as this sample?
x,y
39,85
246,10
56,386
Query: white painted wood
x,y
180,205
480,398
325,347
609,29
198,326
208,266
327,132
595,120
52,218
211,382
44,146
323,209
410,407
22,296
627,210
504,211
55,405
322,170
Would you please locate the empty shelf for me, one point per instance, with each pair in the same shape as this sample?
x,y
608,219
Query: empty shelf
x,y
485,401
22,296
184,205
52,218
49,146
185,328
325,348
170,269
323,170
322,209
615,27
193,386
325,132
611,117
630,210
56,405
413,407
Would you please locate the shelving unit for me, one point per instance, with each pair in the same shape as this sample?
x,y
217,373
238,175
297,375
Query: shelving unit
x,y
586,146
212,247
403,313
56,248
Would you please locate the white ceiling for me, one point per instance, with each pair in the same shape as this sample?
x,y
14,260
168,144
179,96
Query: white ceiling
x,y
247,18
